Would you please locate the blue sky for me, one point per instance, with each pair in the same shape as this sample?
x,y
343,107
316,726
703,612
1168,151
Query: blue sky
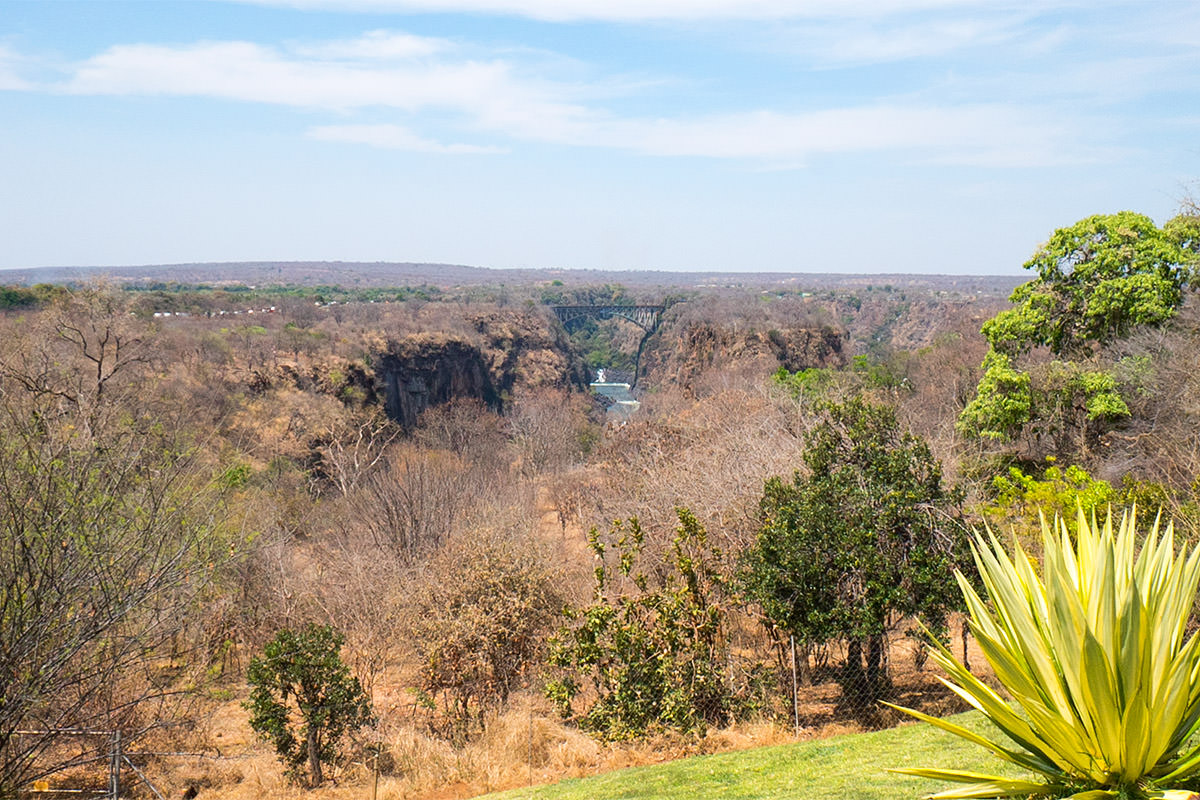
x,y
946,136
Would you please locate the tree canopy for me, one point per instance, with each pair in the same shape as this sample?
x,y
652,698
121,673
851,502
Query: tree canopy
x,y
1097,279
301,674
868,534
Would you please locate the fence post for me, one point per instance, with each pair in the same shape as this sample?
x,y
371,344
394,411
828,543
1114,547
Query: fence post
x,y
795,691
114,769
375,788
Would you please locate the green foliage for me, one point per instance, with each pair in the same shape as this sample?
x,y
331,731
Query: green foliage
x,y
236,476
1057,492
1096,280
301,674
653,656
869,533
596,340
1059,400
12,297
1003,403
863,373
810,382
877,374
1098,656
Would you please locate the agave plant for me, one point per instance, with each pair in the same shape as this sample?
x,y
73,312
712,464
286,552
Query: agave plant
x,y
1095,654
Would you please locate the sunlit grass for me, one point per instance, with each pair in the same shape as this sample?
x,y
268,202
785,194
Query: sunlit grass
x,y
851,767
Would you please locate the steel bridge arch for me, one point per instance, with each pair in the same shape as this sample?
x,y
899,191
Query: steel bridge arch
x,y
645,317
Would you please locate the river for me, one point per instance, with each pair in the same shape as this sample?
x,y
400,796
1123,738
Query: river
x,y
623,403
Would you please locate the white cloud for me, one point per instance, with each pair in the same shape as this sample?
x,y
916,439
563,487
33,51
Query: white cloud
x,y
856,43
10,61
379,45
393,137
412,76
252,72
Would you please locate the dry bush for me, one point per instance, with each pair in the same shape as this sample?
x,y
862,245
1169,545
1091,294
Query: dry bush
x,y
711,456
411,504
478,615
466,427
1160,374
549,430
938,383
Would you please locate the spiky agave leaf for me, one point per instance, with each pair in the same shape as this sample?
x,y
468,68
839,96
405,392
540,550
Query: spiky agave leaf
x,y
1094,653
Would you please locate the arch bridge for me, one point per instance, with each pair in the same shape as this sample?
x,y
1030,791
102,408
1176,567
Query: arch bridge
x,y
645,317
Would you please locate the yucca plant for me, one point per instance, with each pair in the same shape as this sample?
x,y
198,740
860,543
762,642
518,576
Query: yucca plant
x,y
1096,656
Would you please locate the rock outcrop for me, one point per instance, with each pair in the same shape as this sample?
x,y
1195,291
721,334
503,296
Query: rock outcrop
x,y
700,352
430,369
508,353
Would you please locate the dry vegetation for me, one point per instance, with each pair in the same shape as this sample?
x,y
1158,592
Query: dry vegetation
x,y
445,552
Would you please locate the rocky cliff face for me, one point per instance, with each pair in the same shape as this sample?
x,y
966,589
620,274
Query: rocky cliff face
x,y
700,352
508,353
430,369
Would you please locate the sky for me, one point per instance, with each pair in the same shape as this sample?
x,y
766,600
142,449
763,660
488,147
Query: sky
x,y
854,136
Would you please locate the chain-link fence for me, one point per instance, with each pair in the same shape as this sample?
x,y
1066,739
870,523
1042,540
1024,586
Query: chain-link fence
x,y
751,674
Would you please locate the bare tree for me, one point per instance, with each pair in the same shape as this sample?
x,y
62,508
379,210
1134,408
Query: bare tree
x,y
411,504
105,540
351,450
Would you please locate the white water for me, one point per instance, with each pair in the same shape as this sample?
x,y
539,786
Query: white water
x,y
623,402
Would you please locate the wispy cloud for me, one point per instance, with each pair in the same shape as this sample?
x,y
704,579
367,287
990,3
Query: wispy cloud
x,y
10,64
394,137
409,85
256,73
377,45
842,43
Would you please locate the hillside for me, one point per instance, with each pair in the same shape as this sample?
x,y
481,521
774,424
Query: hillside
x,y
384,274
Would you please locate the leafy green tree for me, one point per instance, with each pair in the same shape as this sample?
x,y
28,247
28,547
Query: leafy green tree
x,y
302,673
1097,280
1003,403
1060,401
865,536
653,656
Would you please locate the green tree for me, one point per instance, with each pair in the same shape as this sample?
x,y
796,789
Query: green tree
x,y
1097,280
302,672
653,656
865,536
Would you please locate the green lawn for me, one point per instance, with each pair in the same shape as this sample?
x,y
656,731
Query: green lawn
x,y
841,768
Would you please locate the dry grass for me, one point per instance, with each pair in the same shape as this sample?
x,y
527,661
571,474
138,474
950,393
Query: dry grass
x,y
524,745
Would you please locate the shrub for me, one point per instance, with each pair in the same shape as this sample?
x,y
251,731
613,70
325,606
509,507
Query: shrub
x,y
302,672
1096,654
653,656
479,624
